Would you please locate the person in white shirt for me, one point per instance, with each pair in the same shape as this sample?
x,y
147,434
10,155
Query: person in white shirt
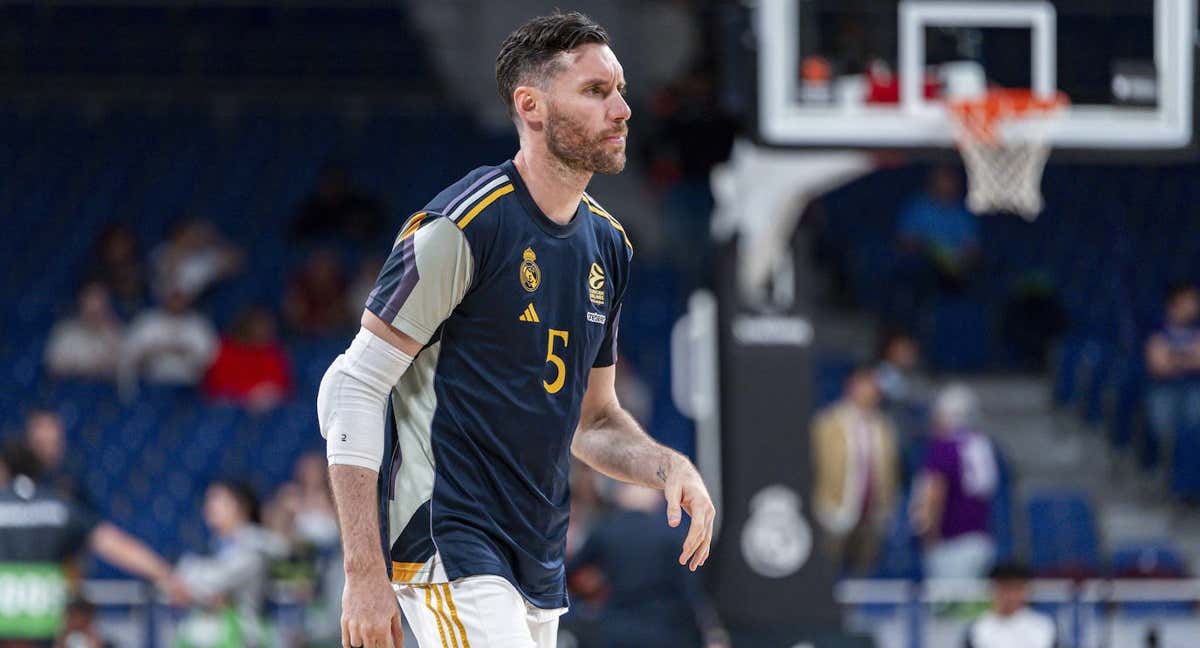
x,y
1011,622
86,345
170,345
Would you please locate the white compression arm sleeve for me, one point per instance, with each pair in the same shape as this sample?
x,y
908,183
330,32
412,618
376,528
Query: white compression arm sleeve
x,y
352,400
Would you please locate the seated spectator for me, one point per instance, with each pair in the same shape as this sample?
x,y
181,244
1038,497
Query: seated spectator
x,y
171,345
855,474
45,437
905,390
193,259
118,266
361,286
938,241
1173,360
952,502
48,548
230,585
901,383
314,303
79,627
337,210
302,513
1011,622
649,599
251,367
86,345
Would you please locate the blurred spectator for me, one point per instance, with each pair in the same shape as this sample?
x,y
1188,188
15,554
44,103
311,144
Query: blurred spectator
x,y
1032,319
361,286
41,532
689,135
854,473
586,505
251,367
901,383
337,210
118,266
170,345
906,392
86,345
302,513
634,394
938,242
230,586
630,562
193,259
79,627
46,439
1011,622
1173,360
952,502
314,301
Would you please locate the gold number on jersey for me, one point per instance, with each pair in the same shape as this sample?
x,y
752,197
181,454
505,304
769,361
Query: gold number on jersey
x,y
557,384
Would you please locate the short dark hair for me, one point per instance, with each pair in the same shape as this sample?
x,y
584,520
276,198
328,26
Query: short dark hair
x,y
528,54
243,493
19,459
888,337
1012,572
1178,290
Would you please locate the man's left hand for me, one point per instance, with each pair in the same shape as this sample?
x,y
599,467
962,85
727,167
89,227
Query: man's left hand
x,y
685,490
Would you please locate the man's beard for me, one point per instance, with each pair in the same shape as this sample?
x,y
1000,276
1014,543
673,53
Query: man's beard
x,y
568,141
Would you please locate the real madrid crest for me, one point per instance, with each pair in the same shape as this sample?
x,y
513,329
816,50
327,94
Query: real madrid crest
x,y
531,275
596,284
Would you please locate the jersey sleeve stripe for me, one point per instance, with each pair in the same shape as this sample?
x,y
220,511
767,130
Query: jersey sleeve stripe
x,y
474,198
599,211
470,216
398,292
465,195
413,225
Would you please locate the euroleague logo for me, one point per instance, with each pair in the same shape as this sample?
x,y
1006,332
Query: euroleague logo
x,y
776,540
595,283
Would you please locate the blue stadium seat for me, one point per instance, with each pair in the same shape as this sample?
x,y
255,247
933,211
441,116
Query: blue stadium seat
x,y
1062,534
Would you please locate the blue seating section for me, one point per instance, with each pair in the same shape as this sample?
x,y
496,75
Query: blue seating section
x,y
205,40
69,173
1093,243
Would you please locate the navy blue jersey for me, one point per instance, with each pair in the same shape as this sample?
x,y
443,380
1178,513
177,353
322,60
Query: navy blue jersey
x,y
513,311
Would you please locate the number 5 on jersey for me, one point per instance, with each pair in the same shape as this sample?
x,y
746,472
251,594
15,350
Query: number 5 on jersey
x,y
557,384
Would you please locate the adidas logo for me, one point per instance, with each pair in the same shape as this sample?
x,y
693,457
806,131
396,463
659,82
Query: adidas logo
x,y
530,315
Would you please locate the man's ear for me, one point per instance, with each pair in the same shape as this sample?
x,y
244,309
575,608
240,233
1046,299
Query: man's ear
x,y
529,104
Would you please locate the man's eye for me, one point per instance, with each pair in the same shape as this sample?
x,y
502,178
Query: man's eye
x,y
594,90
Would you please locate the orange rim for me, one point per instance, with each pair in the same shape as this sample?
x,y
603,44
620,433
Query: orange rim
x,y
979,117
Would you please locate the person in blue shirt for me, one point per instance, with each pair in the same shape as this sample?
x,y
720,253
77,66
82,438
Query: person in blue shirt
x,y
492,332
938,243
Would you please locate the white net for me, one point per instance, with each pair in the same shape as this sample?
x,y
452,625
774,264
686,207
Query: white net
x,y
1004,141
1004,176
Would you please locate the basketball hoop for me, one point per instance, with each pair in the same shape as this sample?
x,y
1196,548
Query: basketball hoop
x,y
1004,139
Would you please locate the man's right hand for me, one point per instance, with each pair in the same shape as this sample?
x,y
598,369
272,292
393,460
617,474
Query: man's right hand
x,y
370,613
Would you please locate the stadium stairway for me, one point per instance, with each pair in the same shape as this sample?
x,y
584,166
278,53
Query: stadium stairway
x,y
1059,460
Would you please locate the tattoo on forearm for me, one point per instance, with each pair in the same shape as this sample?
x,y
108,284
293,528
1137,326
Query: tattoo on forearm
x,y
662,473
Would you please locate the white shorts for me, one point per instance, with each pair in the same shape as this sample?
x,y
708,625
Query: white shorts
x,y
476,612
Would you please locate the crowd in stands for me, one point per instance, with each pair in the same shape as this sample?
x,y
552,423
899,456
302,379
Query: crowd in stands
x,y
141,322
890,439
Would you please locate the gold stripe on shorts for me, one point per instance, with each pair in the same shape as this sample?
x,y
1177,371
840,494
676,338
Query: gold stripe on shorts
x,y
436,615
454,615
441,605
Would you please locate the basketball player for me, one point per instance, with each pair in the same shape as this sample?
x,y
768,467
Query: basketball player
x,y
493,330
